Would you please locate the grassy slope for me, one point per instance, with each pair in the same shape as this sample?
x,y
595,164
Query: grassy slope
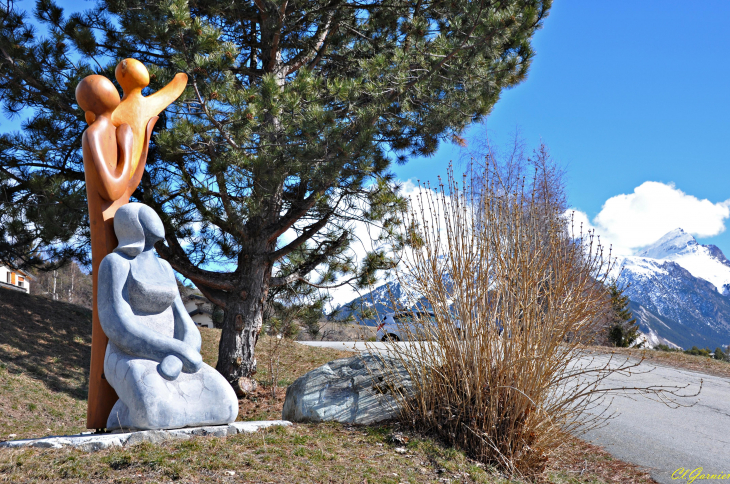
x,y
674,359
45,349
44,354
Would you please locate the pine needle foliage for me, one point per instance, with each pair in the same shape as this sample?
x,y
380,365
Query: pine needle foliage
x,y
623,331
293,113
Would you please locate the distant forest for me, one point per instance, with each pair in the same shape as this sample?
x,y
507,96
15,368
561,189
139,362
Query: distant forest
x,y
70,283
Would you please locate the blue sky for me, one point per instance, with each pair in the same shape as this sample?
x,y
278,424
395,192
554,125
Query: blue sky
x,y
622,93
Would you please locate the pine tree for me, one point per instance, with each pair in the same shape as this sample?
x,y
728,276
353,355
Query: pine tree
x,y
293,114
622,328
719,354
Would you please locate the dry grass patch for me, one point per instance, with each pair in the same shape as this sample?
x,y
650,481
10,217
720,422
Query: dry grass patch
x,y
577,461
303,453
44,361
675,359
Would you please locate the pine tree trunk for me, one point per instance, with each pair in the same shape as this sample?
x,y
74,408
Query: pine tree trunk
x,y
244,312
242,323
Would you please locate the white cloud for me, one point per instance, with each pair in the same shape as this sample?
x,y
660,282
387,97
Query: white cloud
x,y
635,220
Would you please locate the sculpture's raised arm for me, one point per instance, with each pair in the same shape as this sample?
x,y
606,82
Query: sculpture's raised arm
x,y
135,109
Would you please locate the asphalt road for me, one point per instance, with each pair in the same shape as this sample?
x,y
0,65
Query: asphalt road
x,y
648,432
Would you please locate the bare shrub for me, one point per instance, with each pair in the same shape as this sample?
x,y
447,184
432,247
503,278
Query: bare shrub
x,y
512,291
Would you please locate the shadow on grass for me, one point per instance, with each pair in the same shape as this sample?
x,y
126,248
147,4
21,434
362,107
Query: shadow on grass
x,y
49,341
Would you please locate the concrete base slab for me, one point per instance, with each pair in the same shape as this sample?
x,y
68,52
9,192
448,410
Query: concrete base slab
x,y
92,442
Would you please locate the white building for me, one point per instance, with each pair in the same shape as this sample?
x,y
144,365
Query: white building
x,y
199,309
14,279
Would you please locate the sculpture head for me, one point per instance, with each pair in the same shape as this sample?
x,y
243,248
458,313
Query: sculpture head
x,y
132,74
138,228
96,94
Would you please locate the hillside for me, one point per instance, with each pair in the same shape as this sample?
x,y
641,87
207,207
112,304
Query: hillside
x,y
44,358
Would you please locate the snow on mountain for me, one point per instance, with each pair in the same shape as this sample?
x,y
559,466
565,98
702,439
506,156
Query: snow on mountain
x,y
679,289
704,261
370,308
679,292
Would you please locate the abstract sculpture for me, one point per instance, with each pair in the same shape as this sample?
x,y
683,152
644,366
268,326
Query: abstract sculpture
x,y
153,357
115,151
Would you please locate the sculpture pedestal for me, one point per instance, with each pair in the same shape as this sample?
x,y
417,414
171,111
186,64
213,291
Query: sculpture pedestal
x,y
93,442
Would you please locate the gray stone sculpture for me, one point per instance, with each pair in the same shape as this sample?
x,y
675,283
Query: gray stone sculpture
x,y
153,357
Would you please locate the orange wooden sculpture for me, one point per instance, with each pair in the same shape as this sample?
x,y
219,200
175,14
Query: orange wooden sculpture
x,y
115,151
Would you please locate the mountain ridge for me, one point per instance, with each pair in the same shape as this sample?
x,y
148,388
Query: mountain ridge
x,y
679,292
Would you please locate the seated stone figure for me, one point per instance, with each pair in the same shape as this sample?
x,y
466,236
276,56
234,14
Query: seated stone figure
x,y
153,357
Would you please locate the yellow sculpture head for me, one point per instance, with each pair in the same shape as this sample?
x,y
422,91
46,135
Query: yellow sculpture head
x,y
131,74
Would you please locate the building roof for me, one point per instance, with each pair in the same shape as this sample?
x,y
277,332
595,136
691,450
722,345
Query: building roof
x,y
200,310
10,268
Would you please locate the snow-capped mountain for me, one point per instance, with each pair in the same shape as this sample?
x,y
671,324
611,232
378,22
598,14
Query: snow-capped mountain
x,y
648,321
704,261
370,308
679,291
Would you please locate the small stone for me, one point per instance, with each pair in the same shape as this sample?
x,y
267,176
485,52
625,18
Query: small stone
x,y
230,473
400,450
245,387
12,436
398,439
152,436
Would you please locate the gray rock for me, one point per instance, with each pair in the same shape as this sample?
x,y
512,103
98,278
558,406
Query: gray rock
x,y
153,357
94,442
354,390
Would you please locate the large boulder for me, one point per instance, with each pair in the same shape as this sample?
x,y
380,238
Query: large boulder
x,y
357,390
